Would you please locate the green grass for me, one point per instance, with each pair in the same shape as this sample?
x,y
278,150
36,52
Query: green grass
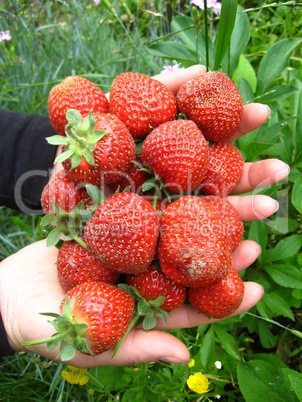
x,y
54,39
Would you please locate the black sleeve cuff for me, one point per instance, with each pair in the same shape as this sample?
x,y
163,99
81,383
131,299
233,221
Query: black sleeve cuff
x,y
26,160
5,349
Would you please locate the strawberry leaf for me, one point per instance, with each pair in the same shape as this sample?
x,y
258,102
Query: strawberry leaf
x,y
67,351
64,155
149,322
143,307
57,140
85,126
53,344
96,136
48,219
149,184
73,116
75,159
88,155
53,237
157,302
95,193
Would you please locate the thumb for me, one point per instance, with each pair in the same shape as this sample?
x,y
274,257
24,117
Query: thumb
x,y
174,80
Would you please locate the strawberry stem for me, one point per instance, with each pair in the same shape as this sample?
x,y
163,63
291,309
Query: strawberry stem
x,y
131,325
77,238
56,336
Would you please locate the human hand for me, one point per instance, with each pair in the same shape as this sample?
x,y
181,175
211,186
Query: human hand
x,y
31,273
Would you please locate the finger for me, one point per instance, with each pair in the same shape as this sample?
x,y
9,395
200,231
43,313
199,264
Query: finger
x,y
254,115
139,346
261,174
245,254
187,316
254,207
173,80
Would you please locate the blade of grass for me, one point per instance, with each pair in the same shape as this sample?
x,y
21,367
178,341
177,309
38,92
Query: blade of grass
x,y
226,26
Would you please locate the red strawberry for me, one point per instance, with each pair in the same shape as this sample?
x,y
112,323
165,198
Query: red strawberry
x,y
177,152
192,250
141,102
123,233
78,93
214,103
224,169
94,318
76,265
221,299
133,178
228,218
153,283
62,191
96,148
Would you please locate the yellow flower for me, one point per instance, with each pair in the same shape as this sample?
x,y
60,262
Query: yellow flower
x,y
191,363
198,383
75,375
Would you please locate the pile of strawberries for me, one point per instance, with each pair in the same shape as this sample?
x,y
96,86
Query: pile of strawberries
x,y
142,204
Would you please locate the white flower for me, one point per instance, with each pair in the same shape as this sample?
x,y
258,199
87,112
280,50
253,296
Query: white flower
x,y
172,68
218,364
218,396
5,35
215,5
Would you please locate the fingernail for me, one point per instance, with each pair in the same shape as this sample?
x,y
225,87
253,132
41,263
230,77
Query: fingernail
x,y
259,249
282,172
277,206
200,68
268,111
263,291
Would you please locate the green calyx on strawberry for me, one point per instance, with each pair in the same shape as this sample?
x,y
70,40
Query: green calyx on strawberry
x,y
67,208
147,310
80,139
71,224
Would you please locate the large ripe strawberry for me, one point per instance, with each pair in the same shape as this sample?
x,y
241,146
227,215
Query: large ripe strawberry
x,y
228,219
76,265
78,93
224,169
63,192
153,283
141,102
96,148
123,233
214,103
220,299
94,318
176,152
192,250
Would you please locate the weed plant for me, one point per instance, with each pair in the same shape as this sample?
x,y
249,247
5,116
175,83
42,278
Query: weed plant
x,y
256,43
